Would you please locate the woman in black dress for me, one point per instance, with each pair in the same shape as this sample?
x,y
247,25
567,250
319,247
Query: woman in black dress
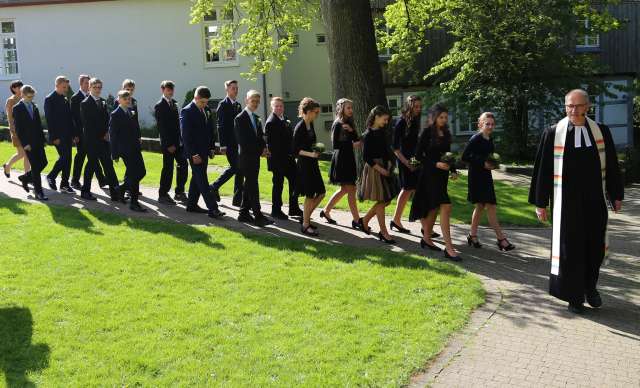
x,y
378,182
431,193
405,138
343,171
309,180
481,191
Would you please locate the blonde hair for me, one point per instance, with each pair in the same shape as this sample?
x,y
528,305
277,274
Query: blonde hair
x,y
340,106
252,93
124,94
61,79
274,100
95,81
484,117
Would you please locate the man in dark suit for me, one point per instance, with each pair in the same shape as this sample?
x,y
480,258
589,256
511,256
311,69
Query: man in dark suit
x,y
168,120
95,121
28,125
198,135
251,146
60,123
78,135
125,139
227,111
281,162
129,85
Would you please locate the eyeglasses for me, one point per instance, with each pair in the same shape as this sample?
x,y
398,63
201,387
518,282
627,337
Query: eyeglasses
x,y
575,106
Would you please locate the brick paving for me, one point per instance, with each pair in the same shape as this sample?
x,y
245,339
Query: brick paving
x,y
521,336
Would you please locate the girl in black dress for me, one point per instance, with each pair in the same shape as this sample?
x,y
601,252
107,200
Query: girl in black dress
x,y
431,193
343,171
378,183
405,138
481,191
309,180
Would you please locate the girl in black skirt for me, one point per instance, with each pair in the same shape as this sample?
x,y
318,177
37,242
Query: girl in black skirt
x,y
309,180
343,171
378,182
431,193
481,191
405,138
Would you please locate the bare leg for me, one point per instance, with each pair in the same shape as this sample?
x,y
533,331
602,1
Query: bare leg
x,y
307,210
367,217
380,214
493,221
475,218
353,204
337,196
16,157
401,203
445,215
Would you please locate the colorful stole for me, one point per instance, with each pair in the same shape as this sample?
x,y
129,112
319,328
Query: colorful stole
x,y
558,161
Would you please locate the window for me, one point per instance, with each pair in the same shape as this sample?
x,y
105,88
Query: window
x,y
586,39
321,39
226,56
296,40
326,108
8,50
395,105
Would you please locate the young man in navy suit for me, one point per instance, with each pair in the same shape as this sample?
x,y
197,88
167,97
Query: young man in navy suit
x,y
251,146
125,140
57,110
198,135
227,111
26,117
168,119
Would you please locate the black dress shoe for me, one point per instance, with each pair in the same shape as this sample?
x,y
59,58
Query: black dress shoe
x,y
24,180
576,308
295,212
330,221
594,299
76,185
452,258
67,189
52,184
41,197
393,225
245,217
262,221
102,184
180,197
88,196
135,206
356,225
215,213
116,195
216,194
424,244
196,209
279,215
165,199
236,202
309,230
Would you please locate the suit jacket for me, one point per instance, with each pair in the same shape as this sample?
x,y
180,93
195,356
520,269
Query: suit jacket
x,y
124,134
198,131
76,100
95,120
251,142
57,110
227,112
168,120
279,139
133,108
29,130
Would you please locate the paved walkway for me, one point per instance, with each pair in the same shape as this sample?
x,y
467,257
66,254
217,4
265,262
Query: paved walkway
x,y
521,336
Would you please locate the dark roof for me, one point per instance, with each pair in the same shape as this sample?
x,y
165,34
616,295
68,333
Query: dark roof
x,y
20,3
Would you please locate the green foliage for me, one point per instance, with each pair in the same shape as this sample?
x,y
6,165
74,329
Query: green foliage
x,y
264,29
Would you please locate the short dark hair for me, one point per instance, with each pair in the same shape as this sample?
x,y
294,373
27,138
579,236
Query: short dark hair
x,y
307,104
202,92
231,81
15,84
167,85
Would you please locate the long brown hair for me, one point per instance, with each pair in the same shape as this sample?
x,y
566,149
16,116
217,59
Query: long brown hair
x,y
407,108
377,111
434,112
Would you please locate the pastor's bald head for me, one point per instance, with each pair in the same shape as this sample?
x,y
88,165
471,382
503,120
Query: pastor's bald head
x,y
577,93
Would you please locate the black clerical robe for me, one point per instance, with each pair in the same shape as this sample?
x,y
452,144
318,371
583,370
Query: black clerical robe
x,y
584,210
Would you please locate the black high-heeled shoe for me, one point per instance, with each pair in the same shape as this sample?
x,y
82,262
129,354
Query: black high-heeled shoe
x,y
355,224
4,168
393,225
424,244
452,258
502,247
329,220
362,227
386,240
473,240
433,234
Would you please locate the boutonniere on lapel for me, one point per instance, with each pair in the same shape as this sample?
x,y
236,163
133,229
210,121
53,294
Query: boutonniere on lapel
x,y
104,103
208,113
133,112
66,99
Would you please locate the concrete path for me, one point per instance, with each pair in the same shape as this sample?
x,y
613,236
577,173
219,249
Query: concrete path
x,y
521,336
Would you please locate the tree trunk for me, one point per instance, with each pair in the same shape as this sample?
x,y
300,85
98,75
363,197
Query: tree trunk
x,y
517,128
356,73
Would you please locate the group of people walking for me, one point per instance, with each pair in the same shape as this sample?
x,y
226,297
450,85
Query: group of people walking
x,y
190,137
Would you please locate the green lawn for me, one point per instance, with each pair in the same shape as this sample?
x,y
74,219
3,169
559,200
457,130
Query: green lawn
x,y
513,209
105,300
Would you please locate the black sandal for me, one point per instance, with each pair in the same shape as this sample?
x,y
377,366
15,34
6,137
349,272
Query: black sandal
x,y
313,232
502,247
329,220
365,230
473,240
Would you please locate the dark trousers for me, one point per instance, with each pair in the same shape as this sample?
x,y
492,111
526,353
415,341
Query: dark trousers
x,y
99,153
278,185
199,185
233,169
78,161
63,164
250,189
166,176
38,159
134,173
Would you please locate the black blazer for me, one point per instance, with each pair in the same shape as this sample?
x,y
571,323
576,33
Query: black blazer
x,y
29,130
124,134
57,110
168,120
76,100
198,132
227,112
251,142
279,139
95,120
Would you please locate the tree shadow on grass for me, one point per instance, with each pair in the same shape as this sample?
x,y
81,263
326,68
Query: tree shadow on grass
x,y
14,206
18,356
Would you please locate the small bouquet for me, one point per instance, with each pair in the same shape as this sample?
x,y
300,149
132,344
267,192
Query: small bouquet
x,y
413,162
494,159
448,158
318,147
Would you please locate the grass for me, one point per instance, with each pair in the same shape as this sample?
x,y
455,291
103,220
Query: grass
x,y
92,298
513,207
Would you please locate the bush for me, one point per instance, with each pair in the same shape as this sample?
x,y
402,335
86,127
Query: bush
x,y
629,162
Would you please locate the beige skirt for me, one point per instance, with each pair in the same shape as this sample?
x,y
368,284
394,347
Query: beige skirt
x,y
376,187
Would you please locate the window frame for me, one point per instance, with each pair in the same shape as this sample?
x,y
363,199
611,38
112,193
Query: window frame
x,y
14,35
217,22
583,39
